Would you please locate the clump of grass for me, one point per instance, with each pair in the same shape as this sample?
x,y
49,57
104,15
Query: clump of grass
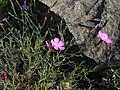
x,y
30,65
3,3
25,58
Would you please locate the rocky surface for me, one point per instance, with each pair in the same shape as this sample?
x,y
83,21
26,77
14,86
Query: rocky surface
x,y
81,17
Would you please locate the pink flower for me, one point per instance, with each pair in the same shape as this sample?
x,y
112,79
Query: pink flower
x,y
4,74
104,37
57,44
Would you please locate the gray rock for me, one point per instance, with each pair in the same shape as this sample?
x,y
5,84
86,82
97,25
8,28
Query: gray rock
x,y
81,17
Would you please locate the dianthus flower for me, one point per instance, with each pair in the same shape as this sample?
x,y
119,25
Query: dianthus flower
x,y
57,44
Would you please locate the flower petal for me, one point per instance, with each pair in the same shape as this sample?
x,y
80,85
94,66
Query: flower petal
x,y
108,41
52,42
103,35
56,40
62,48
61,43
56,48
